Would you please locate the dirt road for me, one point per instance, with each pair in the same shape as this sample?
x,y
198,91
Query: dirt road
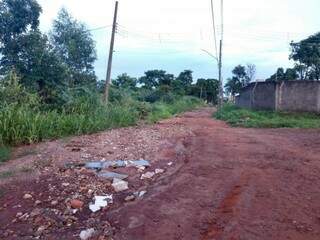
x,y
224,183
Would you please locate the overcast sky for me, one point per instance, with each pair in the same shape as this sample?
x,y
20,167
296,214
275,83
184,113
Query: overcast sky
x,y
169,34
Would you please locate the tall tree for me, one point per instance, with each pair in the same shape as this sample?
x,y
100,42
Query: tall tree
x,y
154,78
284,75
233,86
17,19
74,45
251,72
41,70
206,89
25,50
125,81
185,78
240,73
307,55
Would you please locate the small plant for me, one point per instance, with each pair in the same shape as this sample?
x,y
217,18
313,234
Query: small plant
x,y
240,117
5,153
6,174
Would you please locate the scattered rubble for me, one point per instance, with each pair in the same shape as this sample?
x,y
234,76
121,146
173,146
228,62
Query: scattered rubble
x,y
76,204
130,198
147,175
116,164
87,234
111,175
119,185
27,196
159,171
142,193
100,202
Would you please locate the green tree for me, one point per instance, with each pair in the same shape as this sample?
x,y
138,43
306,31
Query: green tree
x,y
27,52
154,78
233,86
206,89
185,80
74,45
284,75
125,81
17,19
240,73
41,70
307,55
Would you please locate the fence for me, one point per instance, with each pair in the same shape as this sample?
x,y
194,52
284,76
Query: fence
x,y
296,96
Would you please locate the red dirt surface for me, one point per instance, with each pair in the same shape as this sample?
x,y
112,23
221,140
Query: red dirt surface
x,y
224,183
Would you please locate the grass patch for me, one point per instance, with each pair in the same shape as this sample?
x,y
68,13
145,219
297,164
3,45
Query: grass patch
x,y
163,110
6,174
2,192
240,117
5,153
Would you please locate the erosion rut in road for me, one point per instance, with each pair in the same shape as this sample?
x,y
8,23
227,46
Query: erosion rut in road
x,y
225,183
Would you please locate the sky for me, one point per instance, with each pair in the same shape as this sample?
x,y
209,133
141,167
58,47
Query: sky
x,y
173,35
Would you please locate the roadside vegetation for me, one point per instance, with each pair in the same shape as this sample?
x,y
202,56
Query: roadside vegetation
x,y
239,117
49,89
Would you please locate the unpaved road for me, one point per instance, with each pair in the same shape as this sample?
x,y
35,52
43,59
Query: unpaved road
x,y
225,183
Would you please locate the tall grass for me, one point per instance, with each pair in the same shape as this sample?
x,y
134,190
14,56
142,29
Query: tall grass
x,y
20,124
161,110
266,119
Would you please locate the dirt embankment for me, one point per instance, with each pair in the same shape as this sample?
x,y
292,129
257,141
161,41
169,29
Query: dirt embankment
x,y
223,183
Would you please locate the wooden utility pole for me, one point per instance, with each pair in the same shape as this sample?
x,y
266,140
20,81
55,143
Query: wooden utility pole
x,y
220,61
220,77
108,78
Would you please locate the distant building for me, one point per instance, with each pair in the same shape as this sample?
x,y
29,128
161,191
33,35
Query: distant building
x,y
296,96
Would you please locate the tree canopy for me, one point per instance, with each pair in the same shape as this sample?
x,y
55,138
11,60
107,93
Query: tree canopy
x,y
307,56
17,19
242,76
73,44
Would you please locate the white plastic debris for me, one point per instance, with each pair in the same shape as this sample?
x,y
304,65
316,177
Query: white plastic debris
x,y
159,171
141,168
119,185
100,202
147,175
142,193
87,234
170,163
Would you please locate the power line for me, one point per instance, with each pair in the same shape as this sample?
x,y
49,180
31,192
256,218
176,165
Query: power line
x,y
99,28
214,28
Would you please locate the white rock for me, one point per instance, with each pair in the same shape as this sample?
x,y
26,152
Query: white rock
x,y
100,202
159,171
141,168
170,163
27,196
87,234
119,185
147,175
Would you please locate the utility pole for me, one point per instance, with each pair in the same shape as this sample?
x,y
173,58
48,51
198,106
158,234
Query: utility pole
x,y
108,78
220,77
220,61
218,58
